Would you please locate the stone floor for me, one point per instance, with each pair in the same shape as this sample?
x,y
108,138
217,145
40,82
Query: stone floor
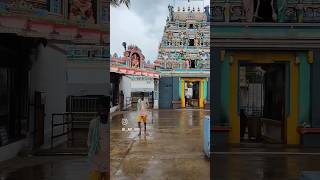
x,y
45,168
269,166
170,149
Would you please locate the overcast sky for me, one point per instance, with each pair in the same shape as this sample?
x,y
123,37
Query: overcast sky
x,y
142,24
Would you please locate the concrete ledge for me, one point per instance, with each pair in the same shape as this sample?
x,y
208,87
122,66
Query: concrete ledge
x,y
220,135
114,108
309,136
176,104
310,175
207,105
11,150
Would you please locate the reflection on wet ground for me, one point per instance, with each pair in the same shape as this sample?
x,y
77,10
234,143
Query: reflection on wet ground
x,y
170,149
45,168
268,166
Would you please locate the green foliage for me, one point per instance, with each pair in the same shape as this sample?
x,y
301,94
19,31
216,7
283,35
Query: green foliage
x,y
117,3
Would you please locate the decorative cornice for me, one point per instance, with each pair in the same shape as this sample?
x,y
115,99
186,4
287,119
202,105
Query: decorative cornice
x,y
27,27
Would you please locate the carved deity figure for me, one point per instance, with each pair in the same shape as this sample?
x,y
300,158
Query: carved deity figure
x,y
82,10
187,63
185,40
196,42
169,35
248,7
135,61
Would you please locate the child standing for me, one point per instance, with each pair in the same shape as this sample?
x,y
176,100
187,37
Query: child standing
x,y
142,106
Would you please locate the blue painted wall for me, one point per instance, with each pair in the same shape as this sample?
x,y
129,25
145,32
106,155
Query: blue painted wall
x,y
175,89
165,93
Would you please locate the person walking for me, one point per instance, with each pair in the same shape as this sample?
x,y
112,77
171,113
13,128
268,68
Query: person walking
x,y
98,144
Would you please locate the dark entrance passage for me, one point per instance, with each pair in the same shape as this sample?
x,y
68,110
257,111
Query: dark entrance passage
x,y
192,89
262,97
17,56
263,10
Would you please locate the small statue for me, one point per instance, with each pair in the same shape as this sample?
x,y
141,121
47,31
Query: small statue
x,y
170,12
248,6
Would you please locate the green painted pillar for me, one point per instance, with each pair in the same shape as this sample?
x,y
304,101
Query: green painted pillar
x,y
180,88
225,89
304,89
205,90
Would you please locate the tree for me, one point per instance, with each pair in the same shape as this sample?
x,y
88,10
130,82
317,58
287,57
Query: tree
x,y
117,3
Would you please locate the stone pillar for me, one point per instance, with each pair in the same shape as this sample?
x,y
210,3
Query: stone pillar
x,y
215,86
201,99
304,89
183,101
315,89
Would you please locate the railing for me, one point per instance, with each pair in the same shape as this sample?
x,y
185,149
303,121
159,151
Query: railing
x,y
82,104
68,124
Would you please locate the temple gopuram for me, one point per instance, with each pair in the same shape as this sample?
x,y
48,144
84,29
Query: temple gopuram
x,y
266,68
184,58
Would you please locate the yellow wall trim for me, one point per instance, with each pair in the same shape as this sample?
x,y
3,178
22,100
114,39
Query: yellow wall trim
x,y
292,136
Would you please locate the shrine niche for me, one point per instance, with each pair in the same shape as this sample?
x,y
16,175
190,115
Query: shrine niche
x,y
134,57
135,60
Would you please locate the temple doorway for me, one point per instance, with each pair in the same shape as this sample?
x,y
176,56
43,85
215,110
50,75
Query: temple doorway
x,y
262,99
192,94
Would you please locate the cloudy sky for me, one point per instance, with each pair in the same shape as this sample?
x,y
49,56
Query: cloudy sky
x,y
142,24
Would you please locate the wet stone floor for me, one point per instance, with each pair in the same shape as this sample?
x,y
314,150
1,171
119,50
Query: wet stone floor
x,y
45,168
171,148
266,167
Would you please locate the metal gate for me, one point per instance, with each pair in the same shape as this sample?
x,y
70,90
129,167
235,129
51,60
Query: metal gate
x,y
165,93
251,100
252,91
74,123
